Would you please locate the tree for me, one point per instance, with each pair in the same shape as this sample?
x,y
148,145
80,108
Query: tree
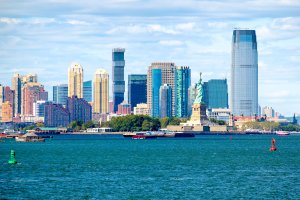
x,y
174,121
39,124
89,124
164,122
146,125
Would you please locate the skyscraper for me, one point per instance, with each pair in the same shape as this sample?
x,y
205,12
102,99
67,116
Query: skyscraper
x,y
215,93
87,91
56,115
244,73
75,80
9,95
118,87
137,89
60,94
182,84
167,77
165,101
101,91
155,86
79,109
17,87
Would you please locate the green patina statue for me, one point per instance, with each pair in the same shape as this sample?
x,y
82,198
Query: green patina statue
x,y
199,86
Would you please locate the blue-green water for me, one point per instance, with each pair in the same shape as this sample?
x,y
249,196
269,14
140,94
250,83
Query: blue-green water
x,y
111,167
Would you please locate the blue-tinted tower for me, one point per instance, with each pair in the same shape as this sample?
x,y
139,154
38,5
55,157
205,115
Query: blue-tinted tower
x,y
216,93
182,84
118,87
87,91
165,101
137,89
60,94
244,73
156,83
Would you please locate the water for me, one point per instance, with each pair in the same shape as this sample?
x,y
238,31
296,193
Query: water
x,y
111,167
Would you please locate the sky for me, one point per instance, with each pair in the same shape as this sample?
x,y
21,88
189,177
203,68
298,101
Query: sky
x,y
46,36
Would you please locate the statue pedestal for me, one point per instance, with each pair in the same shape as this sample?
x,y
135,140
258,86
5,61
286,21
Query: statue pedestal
x,y
198,114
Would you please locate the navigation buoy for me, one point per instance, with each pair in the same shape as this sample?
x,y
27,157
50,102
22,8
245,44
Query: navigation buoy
x,y
12,159
273,145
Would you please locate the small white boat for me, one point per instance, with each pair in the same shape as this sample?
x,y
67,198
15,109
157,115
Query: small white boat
x,y
282,133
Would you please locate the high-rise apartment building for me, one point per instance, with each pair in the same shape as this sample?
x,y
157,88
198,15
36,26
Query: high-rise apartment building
x,y
155,86
182,84
75,80
29,78
56,115
137,89
268,112
79,109
60,94
244,73
31,93
7,112
165,101
118,87
215,93
167,77
17,87
101,91
87,91
9,95
39,108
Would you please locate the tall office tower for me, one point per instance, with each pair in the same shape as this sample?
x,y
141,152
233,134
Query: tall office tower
x,y
9,95
192,93
182,84
60,94
101,91
31,93
244,73
39,108
165,101
79,109
17,87
56,115
75,80
118,88
1,99
167,77
137,89
7,112
87,91
215,93
29,78
155,86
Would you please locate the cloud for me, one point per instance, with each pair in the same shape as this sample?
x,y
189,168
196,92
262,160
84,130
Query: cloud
x,y
171,42
8,20
77,22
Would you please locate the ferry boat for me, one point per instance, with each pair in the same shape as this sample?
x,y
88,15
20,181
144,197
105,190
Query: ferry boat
x,y
29,137
183,134
282,133
144,135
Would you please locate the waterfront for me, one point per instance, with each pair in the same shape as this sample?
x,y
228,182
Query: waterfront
x,y
112,167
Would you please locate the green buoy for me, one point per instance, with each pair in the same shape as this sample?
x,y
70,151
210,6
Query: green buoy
x,y
12,159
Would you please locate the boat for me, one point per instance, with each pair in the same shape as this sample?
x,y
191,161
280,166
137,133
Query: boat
x,y
282,133
183,134
129,134
29,137
144,135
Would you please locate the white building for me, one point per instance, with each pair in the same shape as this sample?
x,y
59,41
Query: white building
x,y
219,114
141,109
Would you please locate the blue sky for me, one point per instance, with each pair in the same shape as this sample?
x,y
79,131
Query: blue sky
x,y
46,36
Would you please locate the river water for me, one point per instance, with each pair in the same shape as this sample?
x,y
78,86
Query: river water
x,y
112,167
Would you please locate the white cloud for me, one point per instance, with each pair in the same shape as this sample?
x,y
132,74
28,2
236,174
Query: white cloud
x,y
171,42
77,22
8,20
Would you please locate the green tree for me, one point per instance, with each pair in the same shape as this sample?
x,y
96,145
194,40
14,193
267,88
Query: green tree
x,y
39,124
146,126
164,122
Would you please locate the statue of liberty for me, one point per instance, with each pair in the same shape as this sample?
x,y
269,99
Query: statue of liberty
x,y
199,86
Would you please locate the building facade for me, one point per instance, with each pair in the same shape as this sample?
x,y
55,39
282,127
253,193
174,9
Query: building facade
x,y
56,115
9,95
75,80
216,93
60,94
118,87
87,91
124,109
165,101
268,112
244,73
101,91
156,82
141,109
182,84
7,112
31,93
137,89
167,77
17,87
1,100
79,109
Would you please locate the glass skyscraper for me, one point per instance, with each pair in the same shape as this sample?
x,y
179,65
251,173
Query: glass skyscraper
x,y
87,91
137,89
182,84
118,87
60,94
156,83
165,101
244,73
215,93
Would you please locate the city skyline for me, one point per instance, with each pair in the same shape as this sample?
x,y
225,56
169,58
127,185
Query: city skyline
x,y
195,37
